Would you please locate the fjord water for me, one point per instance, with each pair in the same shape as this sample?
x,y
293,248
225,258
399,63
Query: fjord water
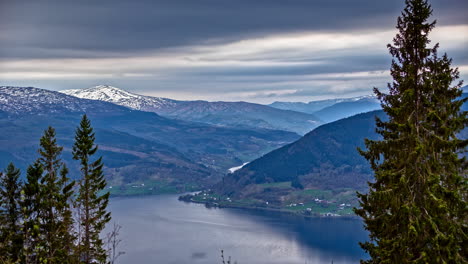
x,y
161,229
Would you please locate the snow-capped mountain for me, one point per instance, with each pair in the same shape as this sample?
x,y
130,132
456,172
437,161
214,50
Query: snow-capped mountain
x,y
16,100
121,97
231,114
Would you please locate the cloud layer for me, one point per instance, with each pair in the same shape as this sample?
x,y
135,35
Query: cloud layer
x,y
218,50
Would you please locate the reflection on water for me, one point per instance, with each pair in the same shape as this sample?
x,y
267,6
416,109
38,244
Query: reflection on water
x,y
160,229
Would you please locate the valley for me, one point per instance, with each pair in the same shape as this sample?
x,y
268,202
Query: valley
x,y
233,132
138,147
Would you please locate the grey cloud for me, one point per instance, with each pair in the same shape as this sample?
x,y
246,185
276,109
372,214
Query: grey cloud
x,y
125,28
344,64
115,28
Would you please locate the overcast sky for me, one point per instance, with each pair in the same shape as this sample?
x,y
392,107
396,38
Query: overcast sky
x,y
250,50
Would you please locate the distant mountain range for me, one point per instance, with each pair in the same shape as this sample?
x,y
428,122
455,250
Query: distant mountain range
x,y
228,114
348,108
333,109
310,107
136,145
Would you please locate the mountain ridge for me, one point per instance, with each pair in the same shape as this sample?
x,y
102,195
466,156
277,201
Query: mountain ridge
x,y
228,114
314,106
121,97
319,158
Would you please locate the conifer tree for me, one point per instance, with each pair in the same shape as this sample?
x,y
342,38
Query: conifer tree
x,y
30,205
10,214
92,204
416,209
54,212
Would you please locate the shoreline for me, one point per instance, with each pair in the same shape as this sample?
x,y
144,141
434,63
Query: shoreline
x,y
180,197
270,209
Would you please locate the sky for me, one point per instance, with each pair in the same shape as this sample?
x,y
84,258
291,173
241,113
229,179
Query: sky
x,y
231,50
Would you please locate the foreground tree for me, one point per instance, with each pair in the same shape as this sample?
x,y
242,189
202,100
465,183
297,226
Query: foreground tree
x,y
416,209
31,206
10,214
92,204
56,222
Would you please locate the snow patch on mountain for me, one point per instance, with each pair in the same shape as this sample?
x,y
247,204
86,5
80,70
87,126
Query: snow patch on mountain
x,y
121,97
16,100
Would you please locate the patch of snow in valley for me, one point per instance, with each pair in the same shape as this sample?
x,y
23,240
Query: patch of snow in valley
x,y
233,169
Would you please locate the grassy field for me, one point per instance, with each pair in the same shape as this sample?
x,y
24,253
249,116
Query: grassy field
x,y
276,185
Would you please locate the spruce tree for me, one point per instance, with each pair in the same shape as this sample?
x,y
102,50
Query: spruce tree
x,y
10,214
54,212
31,205
92,203
416,209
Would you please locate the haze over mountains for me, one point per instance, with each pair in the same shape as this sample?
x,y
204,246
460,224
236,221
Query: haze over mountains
x,y
333,109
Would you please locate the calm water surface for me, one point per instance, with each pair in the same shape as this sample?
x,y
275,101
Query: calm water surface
x,y
161,229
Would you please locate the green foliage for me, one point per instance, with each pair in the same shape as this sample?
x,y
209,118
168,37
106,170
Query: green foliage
x,y
36,220
93,214
31,204
55,216
10,213
416,208
295,183
286,184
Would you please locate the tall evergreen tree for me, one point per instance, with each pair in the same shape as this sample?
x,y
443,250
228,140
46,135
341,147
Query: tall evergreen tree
x,y
10,214
31,205
416,209
92,204
55,212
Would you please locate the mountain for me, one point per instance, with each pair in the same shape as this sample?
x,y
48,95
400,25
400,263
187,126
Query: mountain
x,y
335,109
465,95
244,115
118,96
137,146
228,114
325,162
310,107
30,100
348,108
26,111
332,109
315,106
325,158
